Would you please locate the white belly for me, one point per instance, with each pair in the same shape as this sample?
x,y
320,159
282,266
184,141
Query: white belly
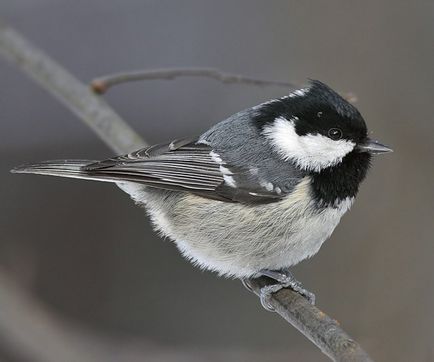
x,y
238,240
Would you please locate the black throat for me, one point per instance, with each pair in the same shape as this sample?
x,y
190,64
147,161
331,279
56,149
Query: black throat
x,y
336,183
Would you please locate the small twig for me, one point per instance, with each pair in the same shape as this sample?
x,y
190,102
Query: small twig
x,y
322,330
102,84
315,325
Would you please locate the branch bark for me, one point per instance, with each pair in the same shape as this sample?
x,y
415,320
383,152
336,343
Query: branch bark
x,y
77,97
97,114
102,84
318,327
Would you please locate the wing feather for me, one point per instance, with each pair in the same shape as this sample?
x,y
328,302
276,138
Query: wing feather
x,y
182,165
179,165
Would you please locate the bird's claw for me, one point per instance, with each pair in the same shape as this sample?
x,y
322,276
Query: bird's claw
x,y
266,293
285,279
246,284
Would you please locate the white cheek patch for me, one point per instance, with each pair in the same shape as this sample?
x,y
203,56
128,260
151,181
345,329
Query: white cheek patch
x,y
310,152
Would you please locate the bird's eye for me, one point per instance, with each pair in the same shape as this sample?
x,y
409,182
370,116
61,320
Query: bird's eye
x,y
335,133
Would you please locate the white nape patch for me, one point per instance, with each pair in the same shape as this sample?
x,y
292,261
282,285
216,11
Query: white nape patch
x,y
298,93
311,152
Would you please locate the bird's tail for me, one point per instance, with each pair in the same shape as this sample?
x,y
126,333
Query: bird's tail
x,y
63,168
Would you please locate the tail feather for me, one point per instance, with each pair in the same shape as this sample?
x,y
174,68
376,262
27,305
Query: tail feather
x,y
62,168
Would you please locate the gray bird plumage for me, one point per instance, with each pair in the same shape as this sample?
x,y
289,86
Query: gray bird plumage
x,y
261,190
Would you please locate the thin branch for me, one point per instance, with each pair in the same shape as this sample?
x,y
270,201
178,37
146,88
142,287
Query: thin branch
x,y
314,324
322,330
77,97
102,84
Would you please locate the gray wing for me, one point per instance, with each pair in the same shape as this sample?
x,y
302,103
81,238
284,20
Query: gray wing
x,y
185,165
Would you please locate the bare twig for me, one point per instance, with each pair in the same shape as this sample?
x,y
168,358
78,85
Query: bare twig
x,y
314,324
102,84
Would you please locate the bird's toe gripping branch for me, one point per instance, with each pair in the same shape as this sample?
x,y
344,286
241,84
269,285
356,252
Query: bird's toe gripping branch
x,y
284,279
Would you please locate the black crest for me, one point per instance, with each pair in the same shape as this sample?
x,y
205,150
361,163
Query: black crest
x,y
315,110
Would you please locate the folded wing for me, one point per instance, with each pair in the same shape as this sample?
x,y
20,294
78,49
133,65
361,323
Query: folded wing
x,y
182,165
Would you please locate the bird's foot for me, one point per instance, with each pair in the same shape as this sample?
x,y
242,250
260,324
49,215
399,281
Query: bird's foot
x,y
285,279
246,284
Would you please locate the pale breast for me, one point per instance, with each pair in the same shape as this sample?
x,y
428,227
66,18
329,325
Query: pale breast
x,y
239,240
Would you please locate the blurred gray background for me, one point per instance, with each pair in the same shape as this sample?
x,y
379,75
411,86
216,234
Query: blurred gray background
x,y
88,254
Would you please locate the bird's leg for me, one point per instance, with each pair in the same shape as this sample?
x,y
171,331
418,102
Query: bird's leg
x,y
285,279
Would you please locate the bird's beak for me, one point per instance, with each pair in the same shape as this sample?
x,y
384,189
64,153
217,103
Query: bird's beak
x,y
372,146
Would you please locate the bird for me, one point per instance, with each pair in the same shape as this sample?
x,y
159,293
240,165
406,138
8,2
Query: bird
x,y
256,193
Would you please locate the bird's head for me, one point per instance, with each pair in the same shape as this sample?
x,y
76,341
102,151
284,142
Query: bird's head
x,y
315,128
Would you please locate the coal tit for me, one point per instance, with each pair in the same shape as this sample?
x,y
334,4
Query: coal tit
x,y
256,193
